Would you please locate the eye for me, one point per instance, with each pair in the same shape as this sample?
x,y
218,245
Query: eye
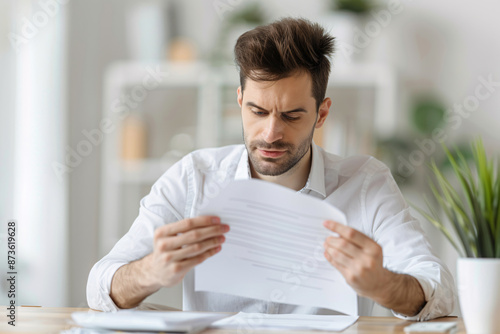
x,y
290,118
259,113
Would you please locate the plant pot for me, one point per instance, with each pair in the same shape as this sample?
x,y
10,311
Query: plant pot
x,y
479,294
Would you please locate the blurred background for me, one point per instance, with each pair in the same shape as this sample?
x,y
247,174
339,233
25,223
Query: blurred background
x,y
99,98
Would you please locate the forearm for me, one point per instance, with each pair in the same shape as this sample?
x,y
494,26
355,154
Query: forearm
x,y
403,294
131,285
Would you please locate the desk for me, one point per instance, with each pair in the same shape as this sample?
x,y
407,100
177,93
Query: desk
x,y
55,319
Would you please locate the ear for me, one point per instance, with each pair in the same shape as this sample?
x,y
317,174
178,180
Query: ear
x,y
323,111
240,96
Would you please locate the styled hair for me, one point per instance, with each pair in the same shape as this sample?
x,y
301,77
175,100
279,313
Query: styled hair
x,y
283,48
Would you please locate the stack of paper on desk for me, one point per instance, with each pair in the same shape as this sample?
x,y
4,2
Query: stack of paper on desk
x,y
193,322
132,320
251,321
274,250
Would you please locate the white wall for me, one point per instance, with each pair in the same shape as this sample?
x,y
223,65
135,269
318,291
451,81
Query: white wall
x,y
7,79
444,46
7,105
95,37
33,120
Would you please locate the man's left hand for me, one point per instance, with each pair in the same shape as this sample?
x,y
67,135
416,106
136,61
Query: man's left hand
x,y
358,258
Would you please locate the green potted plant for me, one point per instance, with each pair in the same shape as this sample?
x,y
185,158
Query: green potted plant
x,y
473,210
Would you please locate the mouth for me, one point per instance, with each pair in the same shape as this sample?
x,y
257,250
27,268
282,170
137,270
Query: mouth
x,y
271,153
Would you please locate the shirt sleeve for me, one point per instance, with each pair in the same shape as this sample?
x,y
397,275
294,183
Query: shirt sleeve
x,y
164,204
405,247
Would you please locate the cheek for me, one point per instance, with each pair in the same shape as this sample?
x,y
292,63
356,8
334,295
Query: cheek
x,y
250,124
299,131
248,127
245,118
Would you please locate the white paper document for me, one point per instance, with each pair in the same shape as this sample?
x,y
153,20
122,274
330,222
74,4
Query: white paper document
x,y
274,249
133,320
254,321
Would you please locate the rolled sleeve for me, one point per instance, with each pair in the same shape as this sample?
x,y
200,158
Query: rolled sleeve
x,y
440,300
99,285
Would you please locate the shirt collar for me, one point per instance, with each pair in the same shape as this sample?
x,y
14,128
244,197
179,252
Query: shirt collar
x,y
315,181
243,169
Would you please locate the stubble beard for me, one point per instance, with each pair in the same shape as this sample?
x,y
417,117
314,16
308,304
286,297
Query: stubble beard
x,y
281,165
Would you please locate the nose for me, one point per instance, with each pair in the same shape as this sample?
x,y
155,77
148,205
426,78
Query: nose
x,y
274,129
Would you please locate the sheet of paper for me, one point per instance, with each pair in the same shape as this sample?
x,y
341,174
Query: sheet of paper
x,y
252,321
133,320
274,250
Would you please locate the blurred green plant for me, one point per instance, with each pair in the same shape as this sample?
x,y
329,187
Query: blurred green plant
x,y
473,208
355,6
427,114
251,14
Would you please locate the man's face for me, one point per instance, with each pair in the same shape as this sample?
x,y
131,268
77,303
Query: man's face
x,y
278,122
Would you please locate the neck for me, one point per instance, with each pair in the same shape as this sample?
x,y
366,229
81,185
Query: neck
x,y
295,178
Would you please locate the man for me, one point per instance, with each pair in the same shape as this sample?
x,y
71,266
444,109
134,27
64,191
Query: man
x,y
381,252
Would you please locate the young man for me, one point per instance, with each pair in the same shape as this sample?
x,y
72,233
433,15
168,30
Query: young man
x,y
381,252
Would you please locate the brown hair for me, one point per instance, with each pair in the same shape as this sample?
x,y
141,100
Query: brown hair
x,y
280,49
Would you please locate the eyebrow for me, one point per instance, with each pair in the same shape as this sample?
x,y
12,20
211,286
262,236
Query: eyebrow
x,y
251,104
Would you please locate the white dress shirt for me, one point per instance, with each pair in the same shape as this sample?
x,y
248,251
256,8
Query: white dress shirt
x,y
361,186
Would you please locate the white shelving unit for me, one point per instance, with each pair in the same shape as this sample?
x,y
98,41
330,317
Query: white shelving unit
x,y
120,79
350,128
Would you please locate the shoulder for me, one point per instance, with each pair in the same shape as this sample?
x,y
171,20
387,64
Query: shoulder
x,y
195,166
347,167
217,158
360,172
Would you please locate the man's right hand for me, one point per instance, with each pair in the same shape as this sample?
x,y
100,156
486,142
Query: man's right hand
x,y
178,247
182,245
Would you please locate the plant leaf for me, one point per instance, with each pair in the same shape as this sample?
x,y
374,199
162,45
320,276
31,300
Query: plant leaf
x,y
462,230
434,219
473,209
485,185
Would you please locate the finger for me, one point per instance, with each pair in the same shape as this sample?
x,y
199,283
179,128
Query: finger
x,y
337,258
344,246
196,249
186,265
186,225
197,235
348,233
164,244
344,271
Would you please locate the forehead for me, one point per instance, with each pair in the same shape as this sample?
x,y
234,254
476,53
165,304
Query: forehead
x,y
296,88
